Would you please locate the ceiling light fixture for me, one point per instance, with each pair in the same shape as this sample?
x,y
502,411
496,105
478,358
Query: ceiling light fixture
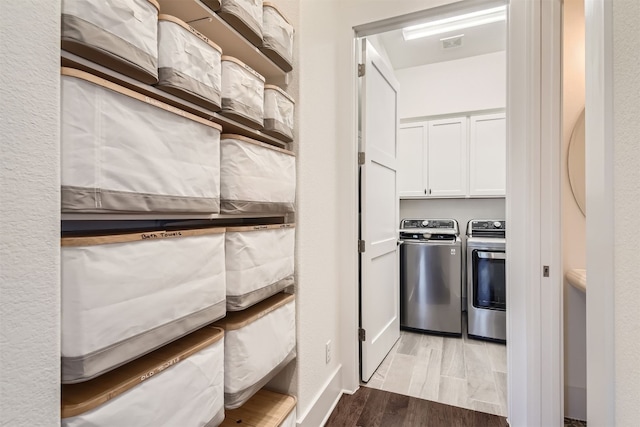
x,y
455,23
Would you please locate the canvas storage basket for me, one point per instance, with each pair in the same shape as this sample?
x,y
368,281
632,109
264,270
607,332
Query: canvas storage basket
x,y
245,16
125,295
255,177
189,64
258,343
277,34
119,34
259,262
123,151
278,113
242,92
265,409
180,384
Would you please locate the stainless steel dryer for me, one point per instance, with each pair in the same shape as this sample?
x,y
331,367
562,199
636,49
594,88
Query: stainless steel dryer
x,y
486,280
431,276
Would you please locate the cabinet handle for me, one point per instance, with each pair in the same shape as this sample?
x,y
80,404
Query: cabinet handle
x,y
429,191
425,191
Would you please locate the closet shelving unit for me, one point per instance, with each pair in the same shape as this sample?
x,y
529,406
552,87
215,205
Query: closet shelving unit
x,y
207,22
266,407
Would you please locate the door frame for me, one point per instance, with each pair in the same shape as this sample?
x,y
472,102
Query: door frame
x,y
533,210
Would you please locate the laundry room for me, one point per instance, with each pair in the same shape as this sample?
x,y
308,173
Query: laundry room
x,y
451,186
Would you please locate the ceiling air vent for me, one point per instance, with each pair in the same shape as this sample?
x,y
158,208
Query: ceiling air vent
x,y
452,42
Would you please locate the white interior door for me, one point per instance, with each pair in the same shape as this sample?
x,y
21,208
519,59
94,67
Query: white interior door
x,y
379,281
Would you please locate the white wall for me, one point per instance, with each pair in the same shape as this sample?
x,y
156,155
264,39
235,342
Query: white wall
x,y
613,200
469,84
327,191
29,184
626,177
573,221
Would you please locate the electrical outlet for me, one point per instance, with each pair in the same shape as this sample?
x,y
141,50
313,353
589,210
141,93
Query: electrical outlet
x,y
327,351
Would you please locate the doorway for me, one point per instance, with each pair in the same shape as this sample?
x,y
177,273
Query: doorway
x,y
452,81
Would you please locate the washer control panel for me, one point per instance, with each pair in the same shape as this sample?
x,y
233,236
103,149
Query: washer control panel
x,y
429,223
486,227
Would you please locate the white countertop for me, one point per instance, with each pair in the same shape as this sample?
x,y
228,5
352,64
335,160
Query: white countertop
x,y
577,278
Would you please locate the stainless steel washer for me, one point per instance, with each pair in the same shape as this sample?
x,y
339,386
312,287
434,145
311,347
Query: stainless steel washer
x,y
486,280
431,276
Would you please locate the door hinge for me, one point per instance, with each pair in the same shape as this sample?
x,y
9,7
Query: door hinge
x,y
361,246
361,69
545,271
362,334
361,158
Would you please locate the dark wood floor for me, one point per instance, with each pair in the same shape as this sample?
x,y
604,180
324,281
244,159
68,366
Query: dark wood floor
x,y
371,408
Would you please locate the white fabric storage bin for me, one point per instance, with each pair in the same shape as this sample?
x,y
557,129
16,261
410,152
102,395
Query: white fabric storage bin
x,y
259,262
123,151
245,16
277,34
189,64
242,92
255,177
180,384
266,408
258,343
126,295
119,34
278,113
290,421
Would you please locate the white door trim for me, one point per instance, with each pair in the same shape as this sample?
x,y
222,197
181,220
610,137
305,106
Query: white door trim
x,y
534,325
599,137
534,317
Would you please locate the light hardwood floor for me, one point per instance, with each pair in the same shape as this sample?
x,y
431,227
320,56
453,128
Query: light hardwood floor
x,y
461,372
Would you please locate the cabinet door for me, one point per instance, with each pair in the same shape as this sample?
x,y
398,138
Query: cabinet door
x,y
447,157
488,155
411,157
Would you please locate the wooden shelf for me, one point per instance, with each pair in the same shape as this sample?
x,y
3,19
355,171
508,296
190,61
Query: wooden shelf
x,y
228,125
203,19
265,409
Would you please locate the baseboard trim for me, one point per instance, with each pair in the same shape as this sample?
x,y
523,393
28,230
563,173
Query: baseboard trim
x,y
325,401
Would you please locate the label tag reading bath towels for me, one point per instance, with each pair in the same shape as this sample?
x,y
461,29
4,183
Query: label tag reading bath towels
x,y
160,234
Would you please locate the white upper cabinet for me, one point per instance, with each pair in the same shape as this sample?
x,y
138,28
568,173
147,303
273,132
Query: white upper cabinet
x,y
412,179
487,155
454,157
447,157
